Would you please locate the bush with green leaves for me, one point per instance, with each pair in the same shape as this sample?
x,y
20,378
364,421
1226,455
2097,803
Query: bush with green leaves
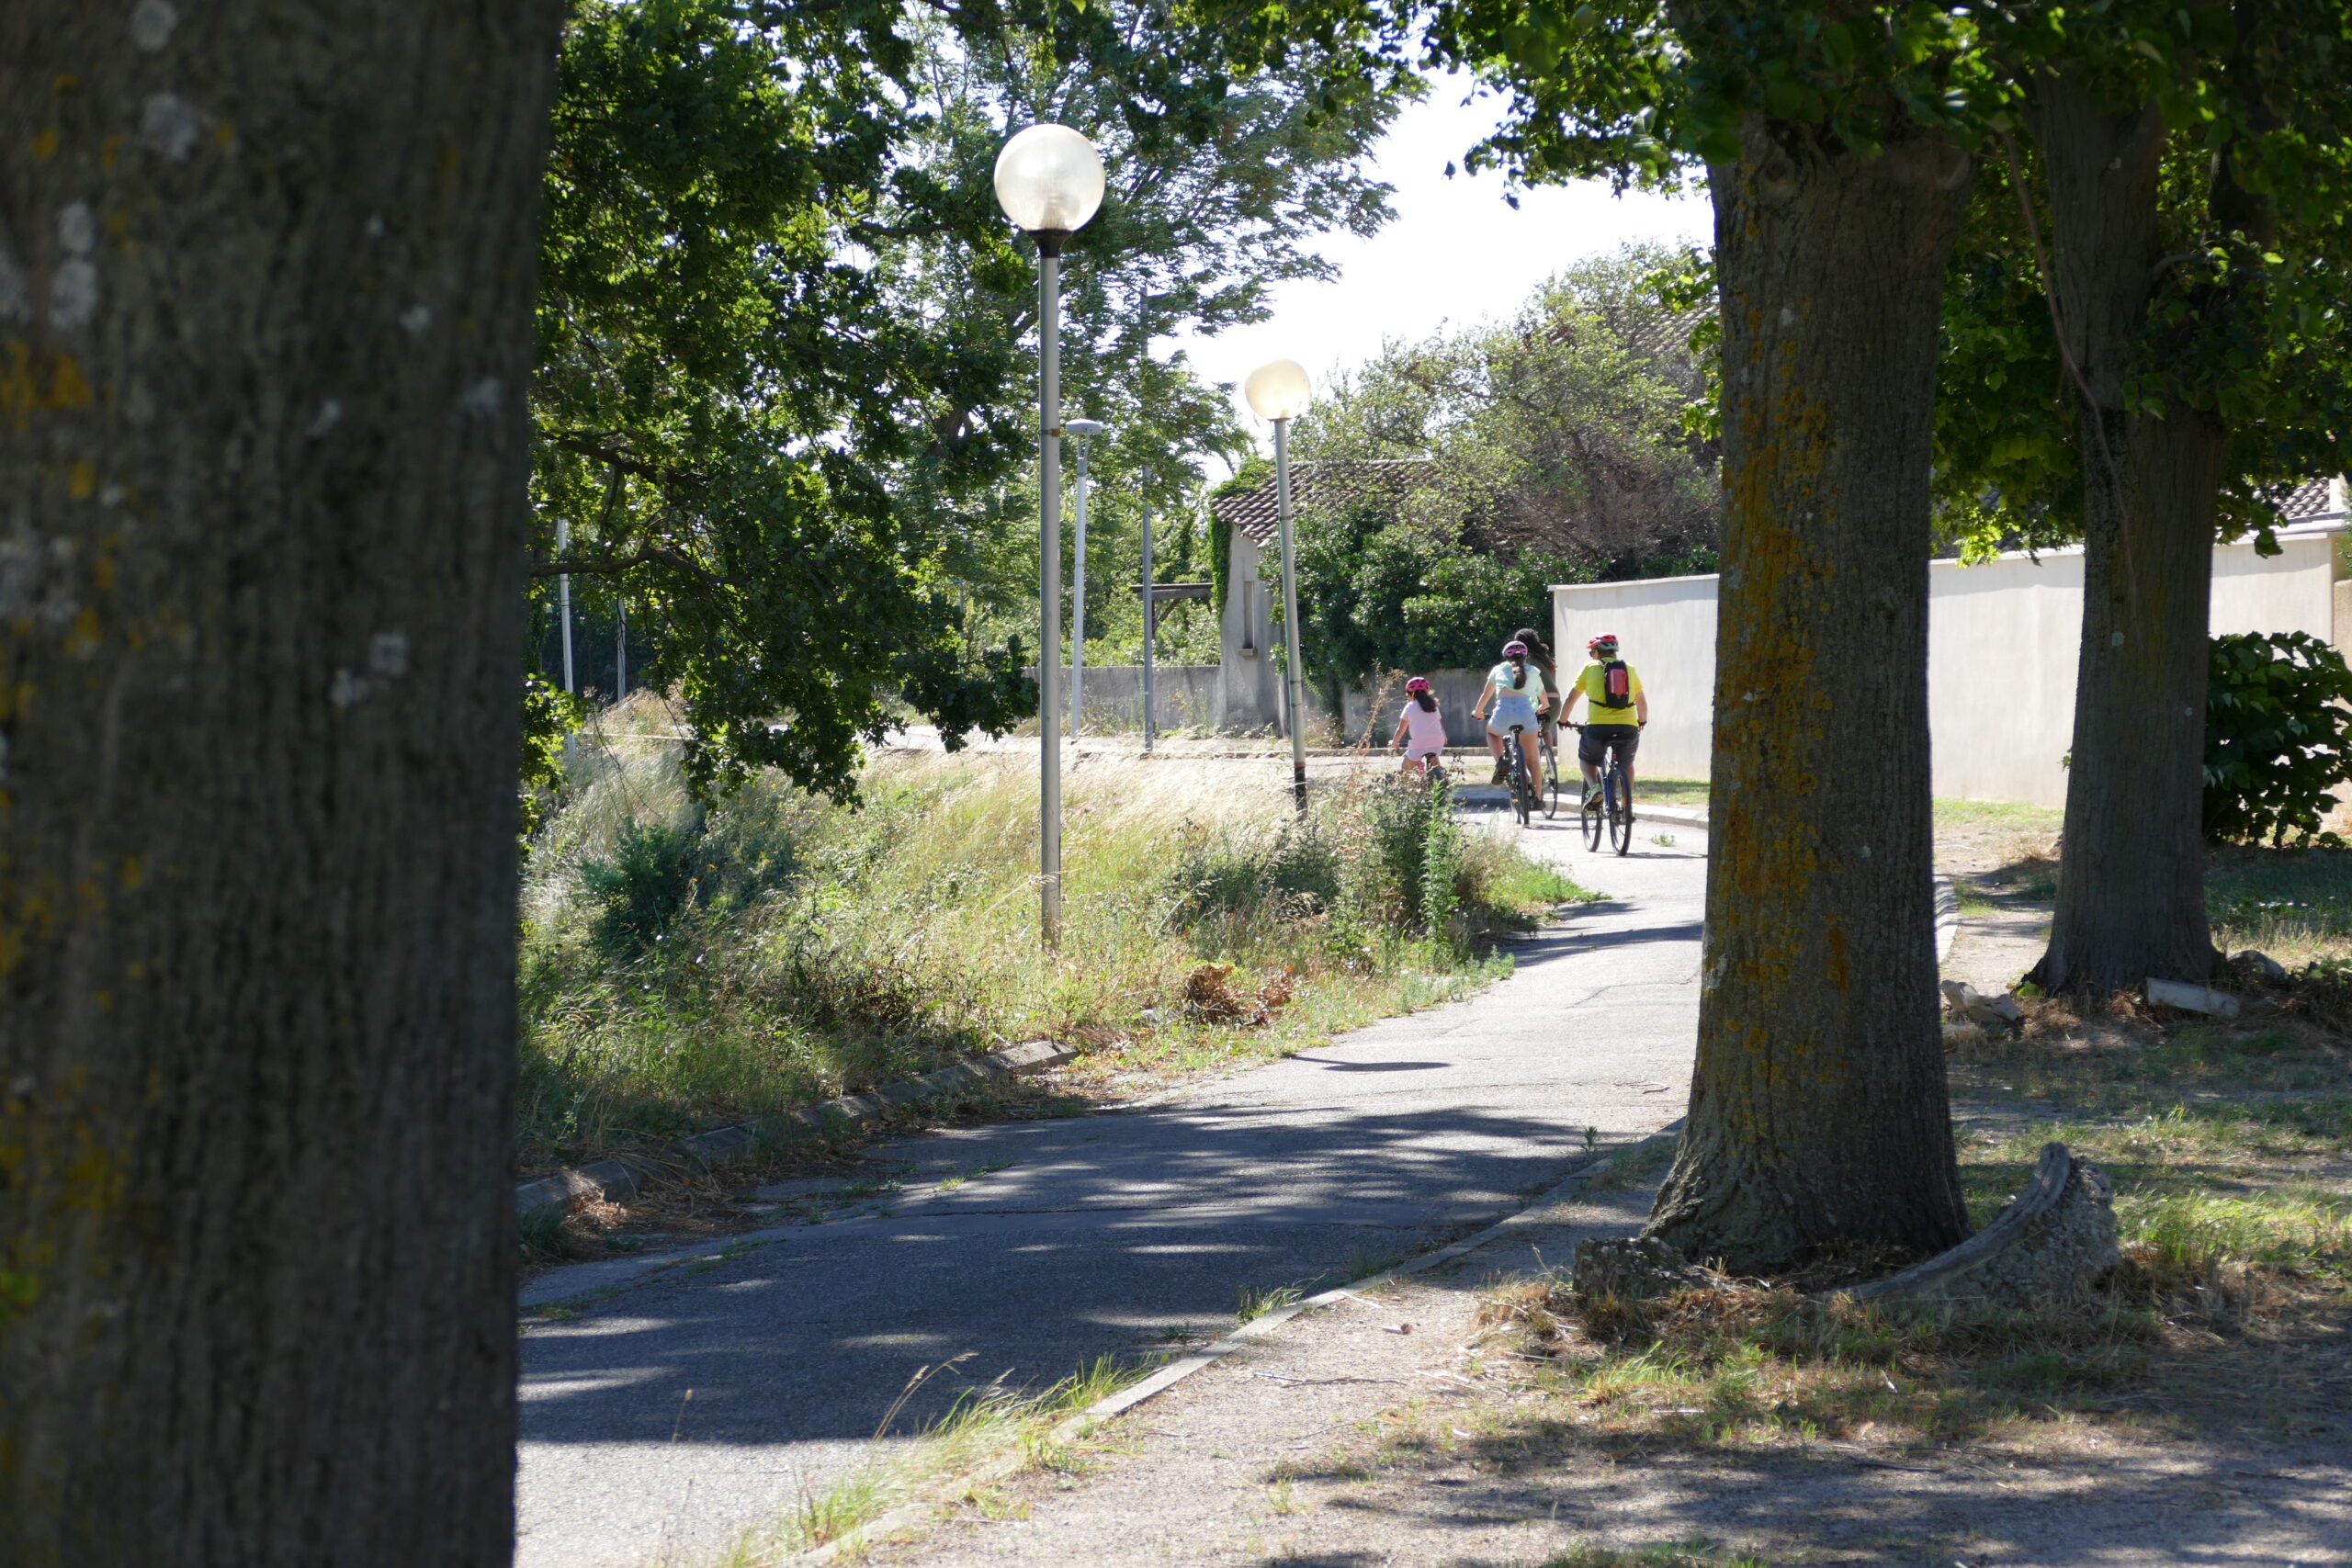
x,y
2276,725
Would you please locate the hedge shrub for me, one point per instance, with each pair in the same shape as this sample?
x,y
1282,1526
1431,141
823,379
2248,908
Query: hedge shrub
x,y
2276,727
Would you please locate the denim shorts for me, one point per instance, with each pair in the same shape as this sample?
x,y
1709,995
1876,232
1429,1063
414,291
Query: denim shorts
x,y
1510,710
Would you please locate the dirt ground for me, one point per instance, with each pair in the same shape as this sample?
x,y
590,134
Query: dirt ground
x,y
1390,1430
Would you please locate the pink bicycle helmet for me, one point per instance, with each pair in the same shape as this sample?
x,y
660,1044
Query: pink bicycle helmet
x,y
1514,649
1417,683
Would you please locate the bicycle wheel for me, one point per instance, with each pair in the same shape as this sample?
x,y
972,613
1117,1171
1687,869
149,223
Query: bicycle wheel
x,y
1522,791
1549,787
1591,819
1621,809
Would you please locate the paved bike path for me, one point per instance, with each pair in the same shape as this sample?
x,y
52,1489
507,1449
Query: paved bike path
x,y
1106,1233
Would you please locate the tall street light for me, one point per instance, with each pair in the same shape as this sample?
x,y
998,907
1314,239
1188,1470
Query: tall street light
x,y
563,598
1151,625
1084,431
1049,182
1279,392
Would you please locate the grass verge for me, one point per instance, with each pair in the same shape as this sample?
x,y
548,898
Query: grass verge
x,y
982,1432
2234,1207
685,969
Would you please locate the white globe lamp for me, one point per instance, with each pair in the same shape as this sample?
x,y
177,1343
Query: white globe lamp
x,y
1279,391
1049,181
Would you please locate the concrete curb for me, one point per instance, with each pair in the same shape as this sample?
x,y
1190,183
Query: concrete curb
x,y
920,1510
611,1180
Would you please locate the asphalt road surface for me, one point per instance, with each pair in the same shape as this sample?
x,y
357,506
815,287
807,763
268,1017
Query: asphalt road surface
x,y
1104,1233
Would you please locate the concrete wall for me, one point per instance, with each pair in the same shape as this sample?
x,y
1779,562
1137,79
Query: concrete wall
x,y
1184,694
1250,694
2002,645
1458,694
1668,630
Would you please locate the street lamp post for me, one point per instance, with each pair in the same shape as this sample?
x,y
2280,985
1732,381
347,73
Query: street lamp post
x,y
1084,430
1049,182
563,598
1151,625
1279,392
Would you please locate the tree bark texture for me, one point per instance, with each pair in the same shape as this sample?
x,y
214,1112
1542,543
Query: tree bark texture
x,y
1818,1111
265,286
2132,876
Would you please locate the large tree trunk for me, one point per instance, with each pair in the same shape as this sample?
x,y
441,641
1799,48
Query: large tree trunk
x,y
1818,1111
266,276
2131,882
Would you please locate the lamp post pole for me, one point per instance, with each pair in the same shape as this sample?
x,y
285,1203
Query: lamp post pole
x,y
1290,617
563,597
1150,608
1049,541
1084,431
1049,182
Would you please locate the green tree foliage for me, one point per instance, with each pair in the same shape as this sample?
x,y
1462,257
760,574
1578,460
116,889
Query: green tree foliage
x,y
2242,321
786,399
1550,449
2145,341
2278,737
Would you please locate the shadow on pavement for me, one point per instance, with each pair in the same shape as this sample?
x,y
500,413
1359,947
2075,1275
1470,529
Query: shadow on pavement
x,y
1089,1245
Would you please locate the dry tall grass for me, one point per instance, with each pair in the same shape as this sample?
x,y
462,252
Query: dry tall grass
x,y
684,968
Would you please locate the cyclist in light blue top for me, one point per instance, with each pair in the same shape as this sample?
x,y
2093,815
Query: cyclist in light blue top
x,y
1515,694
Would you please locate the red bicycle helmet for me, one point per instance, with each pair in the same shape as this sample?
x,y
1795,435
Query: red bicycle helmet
x,y
1606,639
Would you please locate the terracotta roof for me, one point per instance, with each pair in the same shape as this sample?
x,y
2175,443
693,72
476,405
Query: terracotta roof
x,y
2307,500
1316,486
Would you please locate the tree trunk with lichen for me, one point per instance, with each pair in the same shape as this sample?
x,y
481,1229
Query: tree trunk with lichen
x,y
2131,880
1819,1115
266,276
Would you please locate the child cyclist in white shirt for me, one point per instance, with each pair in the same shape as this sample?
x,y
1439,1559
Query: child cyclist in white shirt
x,y
1421,728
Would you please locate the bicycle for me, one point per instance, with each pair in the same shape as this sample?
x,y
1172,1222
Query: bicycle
x,y
1433,773
1549,761
1522,788
1615,811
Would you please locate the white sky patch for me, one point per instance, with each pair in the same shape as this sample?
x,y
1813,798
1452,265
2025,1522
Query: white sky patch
x,y
1455,255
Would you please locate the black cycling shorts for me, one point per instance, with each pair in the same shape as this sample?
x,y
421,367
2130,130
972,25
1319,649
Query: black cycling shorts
x,y
1597,737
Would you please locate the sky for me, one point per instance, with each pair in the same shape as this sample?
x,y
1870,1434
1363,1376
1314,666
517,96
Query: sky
x,y
1455,253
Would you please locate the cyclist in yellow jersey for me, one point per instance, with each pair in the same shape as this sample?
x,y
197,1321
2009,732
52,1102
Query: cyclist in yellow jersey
x,y
1615,711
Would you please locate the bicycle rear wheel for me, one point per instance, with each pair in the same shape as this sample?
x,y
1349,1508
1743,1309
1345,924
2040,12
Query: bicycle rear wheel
x,y
1620,810
1591,821
1523,794
1549,788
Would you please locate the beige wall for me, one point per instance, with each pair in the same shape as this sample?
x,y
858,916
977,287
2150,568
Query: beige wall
x,y
1668,630
2001,652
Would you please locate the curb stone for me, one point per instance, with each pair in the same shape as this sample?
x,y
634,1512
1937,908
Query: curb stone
x,y
612,1181
922,1509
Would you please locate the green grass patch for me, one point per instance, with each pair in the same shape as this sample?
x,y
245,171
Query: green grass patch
x,y
1256,1302
1667,791
2295,905
685,969
1977,816
979,1427
1697,1552
2235,1212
